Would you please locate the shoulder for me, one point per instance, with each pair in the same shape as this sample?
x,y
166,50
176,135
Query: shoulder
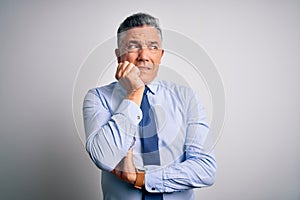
x,y
104,90
183,91
106,93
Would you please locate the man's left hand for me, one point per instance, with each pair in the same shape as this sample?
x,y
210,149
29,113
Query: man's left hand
x,y
125,170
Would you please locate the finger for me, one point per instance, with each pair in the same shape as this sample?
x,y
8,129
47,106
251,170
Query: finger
x,y
136,70
119,66
129,176
125,68
117,173
122,65
120,70
128,69
117,75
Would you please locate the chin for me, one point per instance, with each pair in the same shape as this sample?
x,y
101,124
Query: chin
x,y
146,79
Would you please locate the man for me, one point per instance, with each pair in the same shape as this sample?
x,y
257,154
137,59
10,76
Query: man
x,y
146,135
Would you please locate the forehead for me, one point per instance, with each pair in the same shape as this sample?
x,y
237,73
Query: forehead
x,y
144,33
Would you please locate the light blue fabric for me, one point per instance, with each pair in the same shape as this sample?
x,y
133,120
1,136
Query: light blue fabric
x,y
111,124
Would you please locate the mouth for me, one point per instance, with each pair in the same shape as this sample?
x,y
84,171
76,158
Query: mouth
x,y
144,67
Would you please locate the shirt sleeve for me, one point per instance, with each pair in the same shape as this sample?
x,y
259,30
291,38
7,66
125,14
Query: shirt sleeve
x,y
198,167
109,135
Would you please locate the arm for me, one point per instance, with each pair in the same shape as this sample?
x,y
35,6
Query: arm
x,y
110,136
198,166
197,170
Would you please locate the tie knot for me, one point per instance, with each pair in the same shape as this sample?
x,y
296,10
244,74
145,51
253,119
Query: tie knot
x,y
146,90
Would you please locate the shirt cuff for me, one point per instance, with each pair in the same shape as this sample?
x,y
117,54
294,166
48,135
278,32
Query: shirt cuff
x,y
154,179
129,109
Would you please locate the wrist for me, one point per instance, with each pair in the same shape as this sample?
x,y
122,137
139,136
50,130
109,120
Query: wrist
x,y
136,95
140,179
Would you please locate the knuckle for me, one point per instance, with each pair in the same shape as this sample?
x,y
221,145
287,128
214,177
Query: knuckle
x,y
126,63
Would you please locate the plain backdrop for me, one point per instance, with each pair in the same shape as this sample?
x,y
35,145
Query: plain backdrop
x,y
255,46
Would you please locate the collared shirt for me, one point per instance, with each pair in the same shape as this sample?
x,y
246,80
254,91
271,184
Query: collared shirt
x,y
111,126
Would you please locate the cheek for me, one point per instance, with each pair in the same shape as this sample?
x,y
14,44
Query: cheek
x,y
157,59
128,57
155,70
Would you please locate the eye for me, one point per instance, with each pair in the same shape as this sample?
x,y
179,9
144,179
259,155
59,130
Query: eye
x,y
153,47
132,47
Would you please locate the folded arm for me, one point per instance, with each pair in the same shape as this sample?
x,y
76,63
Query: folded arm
x,y
197,166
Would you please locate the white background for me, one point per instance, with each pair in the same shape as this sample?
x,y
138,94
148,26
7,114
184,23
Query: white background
x,y
254,44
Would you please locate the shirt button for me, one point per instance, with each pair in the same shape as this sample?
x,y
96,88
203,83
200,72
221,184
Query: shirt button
x,y
138,117
153,188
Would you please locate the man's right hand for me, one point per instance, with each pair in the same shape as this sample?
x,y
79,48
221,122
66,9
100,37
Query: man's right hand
x,y
129,76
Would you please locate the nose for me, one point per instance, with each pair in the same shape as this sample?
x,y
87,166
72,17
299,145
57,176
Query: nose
x,y
143,54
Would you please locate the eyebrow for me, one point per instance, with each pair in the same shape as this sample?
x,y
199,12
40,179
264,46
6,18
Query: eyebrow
x,y
133,41
153,42
137,42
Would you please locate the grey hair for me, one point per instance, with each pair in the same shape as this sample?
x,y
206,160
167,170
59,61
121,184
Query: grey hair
x,y
137,20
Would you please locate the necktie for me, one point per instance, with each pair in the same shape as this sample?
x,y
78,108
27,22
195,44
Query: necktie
x,y
149,141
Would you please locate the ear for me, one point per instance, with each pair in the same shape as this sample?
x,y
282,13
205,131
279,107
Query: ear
x,y
117,52
162,52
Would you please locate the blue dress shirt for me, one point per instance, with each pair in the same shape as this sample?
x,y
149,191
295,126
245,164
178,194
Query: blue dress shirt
x,y
111,126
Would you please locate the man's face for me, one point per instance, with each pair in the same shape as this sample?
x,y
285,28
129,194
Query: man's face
x,y
142,47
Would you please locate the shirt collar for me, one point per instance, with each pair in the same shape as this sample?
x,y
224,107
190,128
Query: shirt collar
x,y
153,86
